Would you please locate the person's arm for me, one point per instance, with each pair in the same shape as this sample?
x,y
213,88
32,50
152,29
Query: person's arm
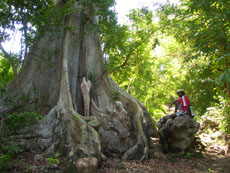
x,y
174,102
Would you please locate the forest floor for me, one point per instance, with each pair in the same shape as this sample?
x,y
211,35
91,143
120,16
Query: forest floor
x,y
212,160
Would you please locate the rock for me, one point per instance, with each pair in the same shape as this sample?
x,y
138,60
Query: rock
x,y
53,167
103,157
136,170
87,165
115,128
159,155
220,170
38,157
33,168
211,122
177,134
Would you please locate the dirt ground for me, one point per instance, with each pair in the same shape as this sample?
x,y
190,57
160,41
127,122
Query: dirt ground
x,y
210,161
213,160
171,163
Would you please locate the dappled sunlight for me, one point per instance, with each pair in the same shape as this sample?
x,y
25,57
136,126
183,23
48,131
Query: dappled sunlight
x,y
88,86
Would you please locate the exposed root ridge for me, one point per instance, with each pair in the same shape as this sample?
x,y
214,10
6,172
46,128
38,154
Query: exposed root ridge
x,y
141,149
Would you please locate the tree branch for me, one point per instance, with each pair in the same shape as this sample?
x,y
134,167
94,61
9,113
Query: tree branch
x,y
130,53
9,57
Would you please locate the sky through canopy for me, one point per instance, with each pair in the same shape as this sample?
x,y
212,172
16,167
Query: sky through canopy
x,y
122,8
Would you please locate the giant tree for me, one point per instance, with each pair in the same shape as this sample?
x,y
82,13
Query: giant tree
x,y
86,113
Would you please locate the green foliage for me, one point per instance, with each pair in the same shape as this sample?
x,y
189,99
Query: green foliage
x,y
53,159
11,148
193,42
224,110
6,72
204,27
29,20
128,55
199,84
8,151
17,121
189,154
210,170
224,78
217,117
8,100
4,159
32,21
28,169
132,54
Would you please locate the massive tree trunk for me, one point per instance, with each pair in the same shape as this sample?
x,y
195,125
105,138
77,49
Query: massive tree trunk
x,y
112,122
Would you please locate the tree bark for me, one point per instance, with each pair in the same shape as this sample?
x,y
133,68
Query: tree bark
x,y
51,81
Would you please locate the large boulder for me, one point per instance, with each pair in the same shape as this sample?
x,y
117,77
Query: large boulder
x,y
177,134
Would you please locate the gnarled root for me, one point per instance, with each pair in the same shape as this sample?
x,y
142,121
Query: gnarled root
x,y
140,119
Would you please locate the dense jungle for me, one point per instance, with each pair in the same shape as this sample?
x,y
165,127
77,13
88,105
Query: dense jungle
x,y
85,93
